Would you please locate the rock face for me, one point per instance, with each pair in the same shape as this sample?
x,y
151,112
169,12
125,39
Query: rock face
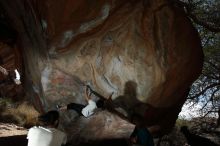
x,y
10,59
146,52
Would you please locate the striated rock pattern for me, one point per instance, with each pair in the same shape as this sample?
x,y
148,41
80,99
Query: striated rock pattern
x,y
146,51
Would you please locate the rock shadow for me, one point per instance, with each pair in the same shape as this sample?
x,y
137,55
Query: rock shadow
x,y
128,102
18,140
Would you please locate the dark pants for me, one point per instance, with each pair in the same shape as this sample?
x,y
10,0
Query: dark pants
x,y
77,107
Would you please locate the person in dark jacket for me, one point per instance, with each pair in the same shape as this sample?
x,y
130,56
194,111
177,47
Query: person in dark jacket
x,y
140,136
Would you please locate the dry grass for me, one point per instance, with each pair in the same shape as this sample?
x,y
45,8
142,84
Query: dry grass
x,y
182,122
23,114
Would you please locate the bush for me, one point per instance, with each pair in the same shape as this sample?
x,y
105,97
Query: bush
x,y
22,114
182,122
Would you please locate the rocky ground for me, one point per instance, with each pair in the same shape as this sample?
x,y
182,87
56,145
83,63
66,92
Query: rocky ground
x,y
7,130
12,135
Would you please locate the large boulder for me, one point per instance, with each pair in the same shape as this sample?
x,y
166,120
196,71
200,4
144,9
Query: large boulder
x,y
147,52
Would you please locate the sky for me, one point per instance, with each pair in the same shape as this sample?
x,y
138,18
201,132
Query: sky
x,y
191,111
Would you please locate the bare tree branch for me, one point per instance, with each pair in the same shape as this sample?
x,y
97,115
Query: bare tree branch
x,y
210,99
213,65
202,23
204,90
188,10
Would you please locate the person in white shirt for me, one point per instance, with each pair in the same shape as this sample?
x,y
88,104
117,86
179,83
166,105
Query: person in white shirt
x,y
48,135
89,109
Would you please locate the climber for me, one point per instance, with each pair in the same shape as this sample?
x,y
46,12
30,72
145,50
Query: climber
x,y
48,135
89,109
11,78
140,136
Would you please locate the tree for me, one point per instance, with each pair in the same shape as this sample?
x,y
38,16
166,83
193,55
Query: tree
x,y
205,90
